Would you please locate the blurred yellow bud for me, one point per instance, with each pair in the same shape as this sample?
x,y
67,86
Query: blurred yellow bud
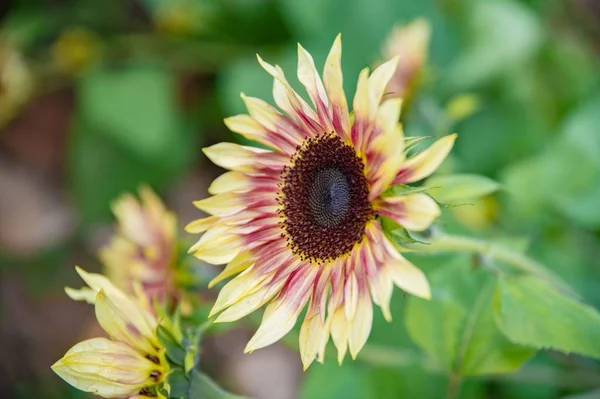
x,y
16,82
462,106
75,50
108,368
410,42
478,214
143,250
178,18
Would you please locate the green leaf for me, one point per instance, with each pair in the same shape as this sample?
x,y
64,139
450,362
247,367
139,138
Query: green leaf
x,y
177,384
136,106
452,189
330,381
201,386
530,312
175,352
456,327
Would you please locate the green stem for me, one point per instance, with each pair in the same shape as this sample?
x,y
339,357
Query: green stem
x,y
454,384
448,243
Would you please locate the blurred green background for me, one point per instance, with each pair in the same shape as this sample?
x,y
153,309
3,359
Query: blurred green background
x,y
97,97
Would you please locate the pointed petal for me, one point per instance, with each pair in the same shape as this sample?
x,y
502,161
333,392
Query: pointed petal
x,y
222,204
333,81
119,324
361,325
235,290
385,158
408,277
241,262
281,315
202,225
413,212
310,79
314,335
340,332
381,288
422,165
233,156
250,302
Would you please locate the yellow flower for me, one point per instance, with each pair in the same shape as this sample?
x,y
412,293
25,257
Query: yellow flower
x,y
128,364
410,42
16,82
144,249
75,50
300,223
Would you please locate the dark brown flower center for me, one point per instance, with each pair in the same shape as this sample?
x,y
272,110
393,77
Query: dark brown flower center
x,y
324,198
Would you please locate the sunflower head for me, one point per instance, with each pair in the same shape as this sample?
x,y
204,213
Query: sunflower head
x,y
301,223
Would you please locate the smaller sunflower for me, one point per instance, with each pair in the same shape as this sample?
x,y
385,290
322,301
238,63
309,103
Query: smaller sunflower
x,y
132,362
144,249
301,223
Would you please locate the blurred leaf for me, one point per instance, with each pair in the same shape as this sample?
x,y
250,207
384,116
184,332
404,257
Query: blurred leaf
x,y
504,34
407,382
330,381
196,385
571,162
530,312
201,386
136,106
456,327
128,132
458,188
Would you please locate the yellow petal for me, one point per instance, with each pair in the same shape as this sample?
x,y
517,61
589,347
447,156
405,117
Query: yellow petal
x,y
381,291
413,212
235,290
83,294
422,165
408,277
339,332
333,81
262,112
285,97
250,303
233,156
281,315
201,225
106,368
389,145
221,204
241,262
361,101
230,181
217,246
350,295
360,325
123,324
247,127
314,335
379,80
310,79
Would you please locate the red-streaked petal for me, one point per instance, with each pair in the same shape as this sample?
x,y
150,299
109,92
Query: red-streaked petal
x,y
310,79
281,315
248,127
413,212
333,82
422,165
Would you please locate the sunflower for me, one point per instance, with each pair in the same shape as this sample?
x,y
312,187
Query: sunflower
x,y
301,223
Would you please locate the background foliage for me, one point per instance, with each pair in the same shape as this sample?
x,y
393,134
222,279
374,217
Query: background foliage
x,y
124,92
